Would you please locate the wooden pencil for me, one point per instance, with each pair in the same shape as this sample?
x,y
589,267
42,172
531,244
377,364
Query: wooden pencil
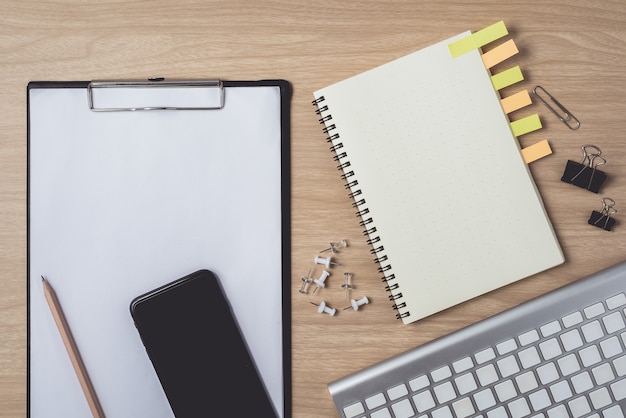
x,y
72,349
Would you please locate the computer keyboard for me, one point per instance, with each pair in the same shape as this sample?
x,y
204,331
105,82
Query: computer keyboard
x,y
559,355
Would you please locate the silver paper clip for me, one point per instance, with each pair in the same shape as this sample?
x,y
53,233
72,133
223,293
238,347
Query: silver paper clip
x,y
562,113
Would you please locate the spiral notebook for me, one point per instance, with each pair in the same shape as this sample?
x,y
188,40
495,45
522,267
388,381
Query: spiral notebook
x,y
434,165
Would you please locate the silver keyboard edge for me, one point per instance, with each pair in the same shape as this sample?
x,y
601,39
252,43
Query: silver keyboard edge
x,y
445,349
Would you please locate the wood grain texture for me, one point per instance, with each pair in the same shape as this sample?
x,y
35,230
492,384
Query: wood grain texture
x,y
575,49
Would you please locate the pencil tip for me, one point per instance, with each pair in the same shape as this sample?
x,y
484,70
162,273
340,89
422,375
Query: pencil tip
x,y
43,279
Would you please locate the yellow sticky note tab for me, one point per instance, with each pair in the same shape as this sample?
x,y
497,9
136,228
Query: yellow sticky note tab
x,y
536,151
507,78
478,39
500,53
490,33
516,101
462,46
526,125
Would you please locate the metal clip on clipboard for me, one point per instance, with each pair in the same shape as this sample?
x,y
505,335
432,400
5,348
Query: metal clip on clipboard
x,y
155,94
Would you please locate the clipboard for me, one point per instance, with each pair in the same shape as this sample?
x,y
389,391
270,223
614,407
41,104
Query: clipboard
x,y
132,185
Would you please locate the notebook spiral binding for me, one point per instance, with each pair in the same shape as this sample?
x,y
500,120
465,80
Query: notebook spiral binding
x,y
348,175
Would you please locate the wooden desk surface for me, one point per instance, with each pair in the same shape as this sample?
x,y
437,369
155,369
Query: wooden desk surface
x,y
574,48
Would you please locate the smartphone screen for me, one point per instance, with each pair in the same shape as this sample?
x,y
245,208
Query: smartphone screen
x,y
197,350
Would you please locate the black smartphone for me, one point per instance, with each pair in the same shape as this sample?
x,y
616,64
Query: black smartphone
x,y
198,351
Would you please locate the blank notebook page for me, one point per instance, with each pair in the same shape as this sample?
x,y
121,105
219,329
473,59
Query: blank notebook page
x,y
452,200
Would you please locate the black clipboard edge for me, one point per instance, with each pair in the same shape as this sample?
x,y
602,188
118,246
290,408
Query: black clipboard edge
x,y
286,93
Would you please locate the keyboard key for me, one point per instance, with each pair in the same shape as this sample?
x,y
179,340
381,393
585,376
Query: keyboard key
x,y
465,383
613,322
558,412
579,407
600,398
463,365
487,375
582,382
610,347
613,412
540,400
484,399
485,355
620,365
550,349
547,373
383,413
572,319
528,337
463,408
499,412
589,355
508,366
560,391
526,382
403,409
592,331
397,392
419,383
594,310
505,390
619,389
529,357
571,340
603,374
568,364
444,392
506,346
375,401
550,328
616,301
424,401
353,410
440,374
519,408
442,413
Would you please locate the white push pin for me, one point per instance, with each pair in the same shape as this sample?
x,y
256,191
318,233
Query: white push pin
x,y
305,282
323,308
325,261
347,284
357,303
335,246
320,282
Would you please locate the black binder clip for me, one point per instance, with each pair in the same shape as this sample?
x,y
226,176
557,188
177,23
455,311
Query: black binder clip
x,y
603,218
585,174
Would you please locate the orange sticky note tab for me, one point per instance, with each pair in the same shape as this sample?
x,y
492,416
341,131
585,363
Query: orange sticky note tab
x,y
516,101
536,151
500,53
